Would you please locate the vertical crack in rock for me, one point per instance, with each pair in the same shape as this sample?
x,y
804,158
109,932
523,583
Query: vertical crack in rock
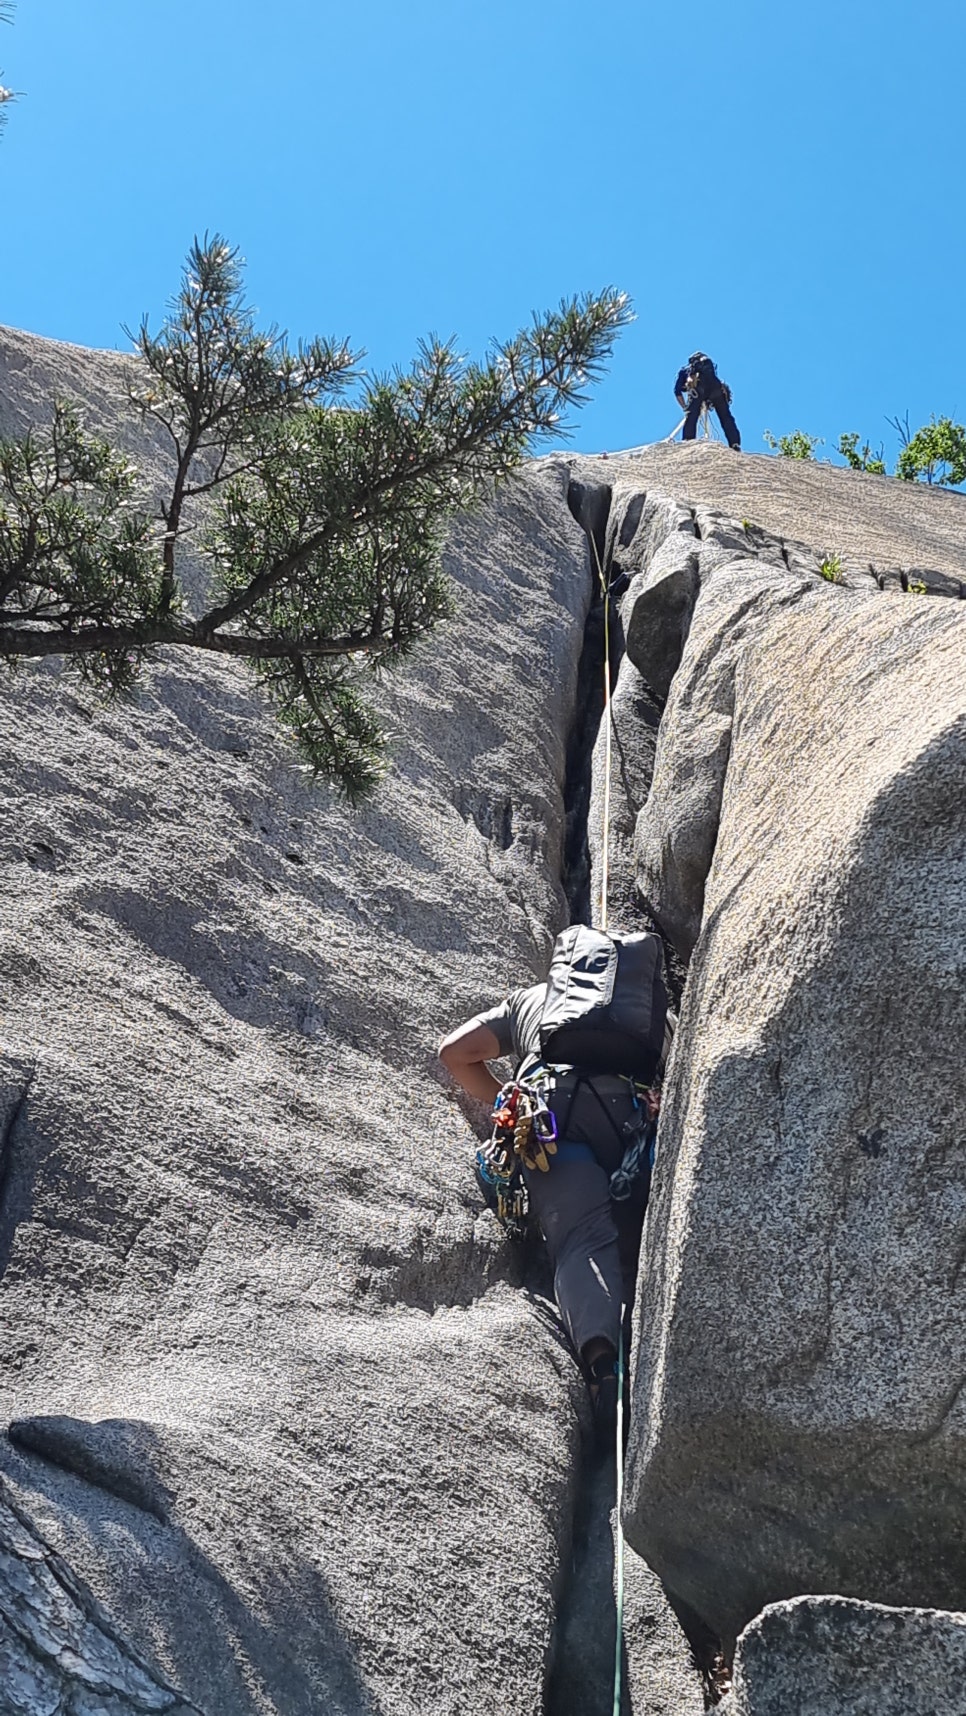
x,y
9,1127
591,508
655,1652
636,713
12,1105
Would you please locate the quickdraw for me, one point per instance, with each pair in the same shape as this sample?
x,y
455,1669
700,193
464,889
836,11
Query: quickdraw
x,y
523,1126
503,1188
524,1135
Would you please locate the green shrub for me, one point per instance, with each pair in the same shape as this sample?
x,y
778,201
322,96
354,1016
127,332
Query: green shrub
x,y
865,460
797,445
936,453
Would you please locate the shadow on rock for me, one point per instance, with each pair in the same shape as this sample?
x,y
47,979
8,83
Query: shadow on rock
x,y
258,1637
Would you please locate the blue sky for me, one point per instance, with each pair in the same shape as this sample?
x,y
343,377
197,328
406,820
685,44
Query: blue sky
x,y
779,185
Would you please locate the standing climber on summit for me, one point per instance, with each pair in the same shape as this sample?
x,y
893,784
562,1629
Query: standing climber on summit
x,y
698,385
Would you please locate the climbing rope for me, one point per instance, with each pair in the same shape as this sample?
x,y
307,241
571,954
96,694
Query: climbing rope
x,y
604,885
605,819
708,433
619,1548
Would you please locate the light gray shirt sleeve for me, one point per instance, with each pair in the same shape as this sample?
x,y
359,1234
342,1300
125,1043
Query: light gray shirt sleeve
x,y
498,1021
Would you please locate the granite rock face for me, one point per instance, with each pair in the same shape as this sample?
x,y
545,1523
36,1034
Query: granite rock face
x,y
283,1432
800,1423
874,524
264,1355
827,1656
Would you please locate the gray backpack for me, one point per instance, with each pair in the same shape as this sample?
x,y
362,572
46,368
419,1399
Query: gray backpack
x,y
606,1004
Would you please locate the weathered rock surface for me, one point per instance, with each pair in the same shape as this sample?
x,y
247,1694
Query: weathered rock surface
x,y
58,1652
868,521
801,1355
283,1429
277,1407
827,1656
260,1346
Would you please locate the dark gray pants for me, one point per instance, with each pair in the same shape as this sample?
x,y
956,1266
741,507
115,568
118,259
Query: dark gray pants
x,y
718,401
592,1242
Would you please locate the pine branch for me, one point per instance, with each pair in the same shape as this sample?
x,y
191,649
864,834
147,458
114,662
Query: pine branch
x,y
328,519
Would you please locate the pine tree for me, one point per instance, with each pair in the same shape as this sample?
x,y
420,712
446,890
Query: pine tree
x,y
327,496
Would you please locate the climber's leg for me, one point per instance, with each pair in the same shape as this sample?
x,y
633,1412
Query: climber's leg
x,y
573,1207
729,427
691,421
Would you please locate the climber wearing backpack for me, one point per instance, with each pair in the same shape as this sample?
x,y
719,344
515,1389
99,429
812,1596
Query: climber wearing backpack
x,y
576,1124
698,385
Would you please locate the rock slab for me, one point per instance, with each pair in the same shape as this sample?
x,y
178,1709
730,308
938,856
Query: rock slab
x,y
827,1656
800,1420
262,1352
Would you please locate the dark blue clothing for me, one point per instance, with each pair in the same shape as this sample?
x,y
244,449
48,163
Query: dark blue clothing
x,y
681,385
703,386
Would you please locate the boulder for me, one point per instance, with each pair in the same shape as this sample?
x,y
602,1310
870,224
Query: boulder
x,y
635,716
677,828
828,1656
799,1413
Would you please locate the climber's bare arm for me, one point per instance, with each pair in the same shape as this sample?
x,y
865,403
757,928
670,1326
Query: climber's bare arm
x,y
464,1054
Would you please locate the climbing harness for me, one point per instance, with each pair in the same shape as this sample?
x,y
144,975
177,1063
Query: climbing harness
x,y
526,1130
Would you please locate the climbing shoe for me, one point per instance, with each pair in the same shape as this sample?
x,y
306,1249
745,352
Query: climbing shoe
x,y
602,1375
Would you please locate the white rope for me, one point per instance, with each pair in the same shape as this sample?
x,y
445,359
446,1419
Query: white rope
x,y
608,726
674,431
604,884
